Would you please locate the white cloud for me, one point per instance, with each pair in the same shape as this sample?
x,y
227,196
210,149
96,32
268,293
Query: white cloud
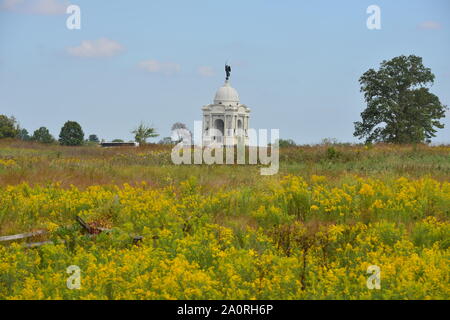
x,y
154,66
49,7
102,47
10,4
205,71
41,7
430,25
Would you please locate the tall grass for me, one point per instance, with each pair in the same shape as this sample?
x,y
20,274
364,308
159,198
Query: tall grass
x,y
84,166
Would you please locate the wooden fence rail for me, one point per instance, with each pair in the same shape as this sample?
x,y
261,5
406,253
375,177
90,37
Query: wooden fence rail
x,y
92,231
23,235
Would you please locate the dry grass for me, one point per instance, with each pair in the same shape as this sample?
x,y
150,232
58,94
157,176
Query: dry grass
x,y
88,165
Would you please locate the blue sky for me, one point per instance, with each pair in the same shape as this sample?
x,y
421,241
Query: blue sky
x,y
296,64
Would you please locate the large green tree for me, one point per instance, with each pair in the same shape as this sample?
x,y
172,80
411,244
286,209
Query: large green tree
x,y
9,127
400,107
71,134
42,135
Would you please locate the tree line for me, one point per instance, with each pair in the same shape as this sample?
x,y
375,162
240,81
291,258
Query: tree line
x,y
72,134
400,109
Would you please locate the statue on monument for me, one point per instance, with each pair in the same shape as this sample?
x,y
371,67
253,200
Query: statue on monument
x,y
228,71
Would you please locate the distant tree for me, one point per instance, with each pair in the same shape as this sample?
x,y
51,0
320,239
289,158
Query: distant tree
x,y
179,131
9,128
24,135
42,135
286,143
93,138
117,140
166,140
143,132
400,108
328,141
71,134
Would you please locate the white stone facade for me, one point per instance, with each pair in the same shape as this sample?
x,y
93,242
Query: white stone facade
x,y
226,121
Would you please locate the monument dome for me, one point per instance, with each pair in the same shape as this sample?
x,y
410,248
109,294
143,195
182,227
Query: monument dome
x,y
226,94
